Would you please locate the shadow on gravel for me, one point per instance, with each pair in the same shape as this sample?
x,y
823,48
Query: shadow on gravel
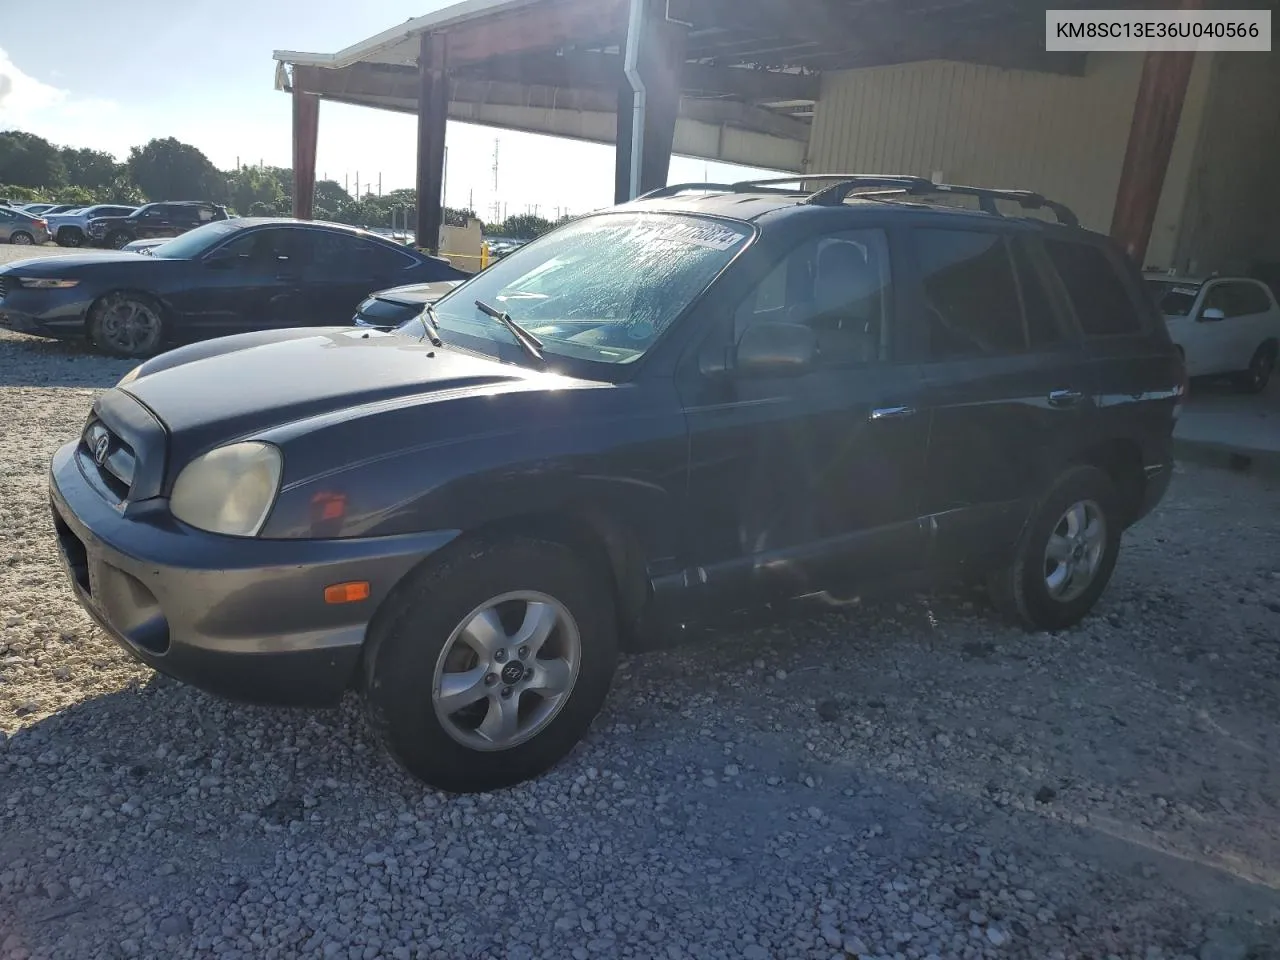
x,y
734,789
33,362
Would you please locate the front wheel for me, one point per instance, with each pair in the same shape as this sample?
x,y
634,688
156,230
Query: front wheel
x,y
70,237
117,240
1263,364
1065,556
489,665
126,325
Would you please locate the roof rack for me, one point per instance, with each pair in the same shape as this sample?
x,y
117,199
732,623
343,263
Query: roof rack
x,y
842,185
838,192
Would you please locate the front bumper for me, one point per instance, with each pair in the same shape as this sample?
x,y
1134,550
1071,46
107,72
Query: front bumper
x,y
44,313
240,618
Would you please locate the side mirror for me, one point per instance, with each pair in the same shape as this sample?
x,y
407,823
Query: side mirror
x,y
1212,315
775,350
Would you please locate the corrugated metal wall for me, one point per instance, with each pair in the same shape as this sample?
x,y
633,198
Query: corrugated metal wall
x,y
1231,218
1062,136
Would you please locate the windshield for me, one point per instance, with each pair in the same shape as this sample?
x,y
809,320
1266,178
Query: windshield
x,y
195,242
1174,298
602,289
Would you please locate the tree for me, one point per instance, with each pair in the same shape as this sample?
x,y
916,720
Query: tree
x,y
30,161
91,169
171,170
252,188
77,195
329,194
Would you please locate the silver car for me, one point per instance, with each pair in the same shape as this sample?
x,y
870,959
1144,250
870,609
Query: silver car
x,y
22,228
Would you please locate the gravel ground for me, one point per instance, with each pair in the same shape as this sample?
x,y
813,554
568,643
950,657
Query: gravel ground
x,y
910,779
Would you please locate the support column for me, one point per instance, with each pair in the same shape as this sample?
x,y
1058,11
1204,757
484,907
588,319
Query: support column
x,y
1156,114
660,65
433,115
306,128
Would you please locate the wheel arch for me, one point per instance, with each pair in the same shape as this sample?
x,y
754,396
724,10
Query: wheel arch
x,y
1122,461
591,532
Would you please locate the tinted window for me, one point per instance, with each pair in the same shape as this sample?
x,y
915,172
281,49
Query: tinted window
x,y
1174,299
6,215
267,249
379,259
1247,299
840,286
1097,293
971,299
1042,320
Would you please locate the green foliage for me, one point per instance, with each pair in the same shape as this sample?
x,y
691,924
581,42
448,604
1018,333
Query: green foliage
x,y
9,191
252,188
77,195
33,169
30,161
525,226
90,169
171,170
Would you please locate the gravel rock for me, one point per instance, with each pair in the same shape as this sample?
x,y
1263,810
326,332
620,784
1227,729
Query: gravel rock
x,y
895,811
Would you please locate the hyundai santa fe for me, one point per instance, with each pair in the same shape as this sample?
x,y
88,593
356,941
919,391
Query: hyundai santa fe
x,y
715,399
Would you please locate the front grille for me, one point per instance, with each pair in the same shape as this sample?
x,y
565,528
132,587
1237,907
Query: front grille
x,y
114,459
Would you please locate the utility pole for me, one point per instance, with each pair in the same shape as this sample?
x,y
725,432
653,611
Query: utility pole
x,y
357,184
346,184
496,143
379,183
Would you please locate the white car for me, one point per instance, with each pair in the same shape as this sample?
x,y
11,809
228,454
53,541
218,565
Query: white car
x,y
1223,325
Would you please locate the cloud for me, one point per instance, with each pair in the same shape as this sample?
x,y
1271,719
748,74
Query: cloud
x,y
21,93
57,114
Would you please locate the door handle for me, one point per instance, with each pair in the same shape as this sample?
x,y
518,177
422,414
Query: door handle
x,y
891,413
1065,398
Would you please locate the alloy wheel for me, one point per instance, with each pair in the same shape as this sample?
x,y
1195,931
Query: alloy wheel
x,y
1074,552
506,671
130,327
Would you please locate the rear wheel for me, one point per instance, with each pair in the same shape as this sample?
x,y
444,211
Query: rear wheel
x,y
117,239
126,325
488,666
1066,554
70,237
22,238
1263,364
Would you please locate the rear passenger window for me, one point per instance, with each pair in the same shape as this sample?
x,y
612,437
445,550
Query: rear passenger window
x,y
1247,299
971,298
1101,301
1042,320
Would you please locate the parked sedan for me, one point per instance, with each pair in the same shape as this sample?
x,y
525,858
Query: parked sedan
x,y
22,228
388,309
227,277
1224,325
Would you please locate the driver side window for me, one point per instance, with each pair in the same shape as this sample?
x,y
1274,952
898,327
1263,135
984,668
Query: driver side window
x,y
840,286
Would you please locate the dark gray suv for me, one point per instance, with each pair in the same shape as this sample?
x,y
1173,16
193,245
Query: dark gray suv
x,y
715,399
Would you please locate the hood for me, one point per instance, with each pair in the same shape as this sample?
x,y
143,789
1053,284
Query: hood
x,y
61,266
214,392
416,294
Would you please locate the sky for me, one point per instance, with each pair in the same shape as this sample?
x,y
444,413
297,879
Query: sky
x,y
114,75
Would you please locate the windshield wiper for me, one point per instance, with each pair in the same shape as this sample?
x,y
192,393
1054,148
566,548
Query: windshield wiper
x,y
526,339
431,329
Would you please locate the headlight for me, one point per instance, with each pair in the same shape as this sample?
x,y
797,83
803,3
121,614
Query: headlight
x,y
46,283
129,377
229,490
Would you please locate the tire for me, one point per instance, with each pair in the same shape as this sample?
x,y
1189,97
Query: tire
x,y
21,238
126,325
419,640
70,237
1023,591
118,239
1263,364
